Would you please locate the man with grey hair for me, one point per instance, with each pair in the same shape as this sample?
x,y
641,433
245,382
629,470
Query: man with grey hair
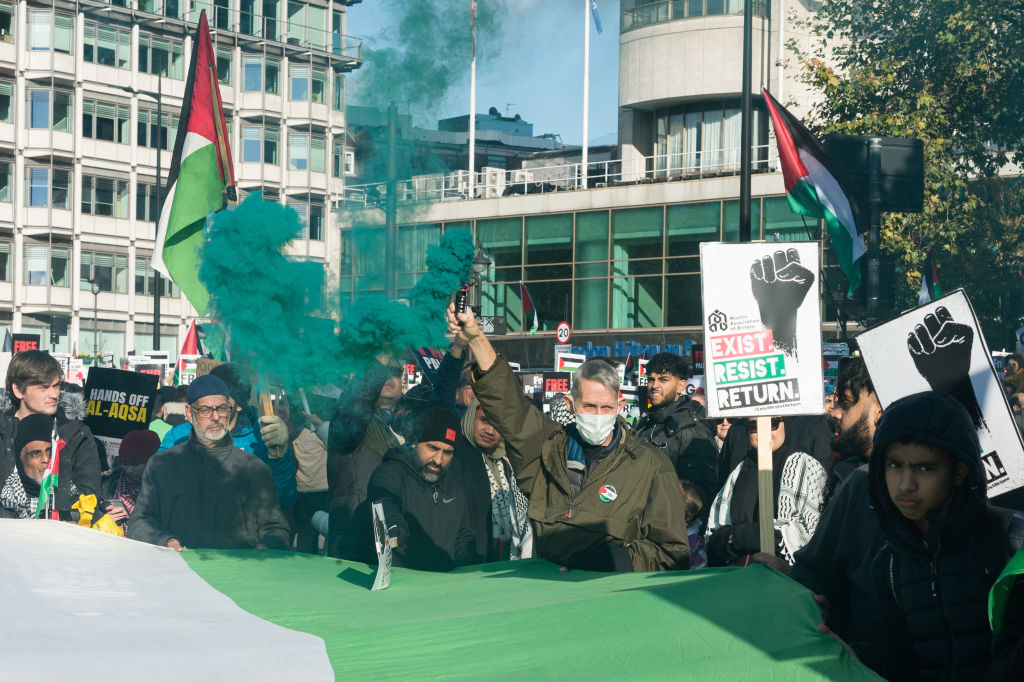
x,y
600,498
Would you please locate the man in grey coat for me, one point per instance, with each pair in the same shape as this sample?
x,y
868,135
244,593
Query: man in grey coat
x,y
206,492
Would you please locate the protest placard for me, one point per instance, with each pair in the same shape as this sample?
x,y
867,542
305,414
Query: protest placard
x,y
429,361
204,365
762,329
631,409
939,346
567,362
117,401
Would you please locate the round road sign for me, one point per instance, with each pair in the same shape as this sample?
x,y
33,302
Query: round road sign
x,y
562,332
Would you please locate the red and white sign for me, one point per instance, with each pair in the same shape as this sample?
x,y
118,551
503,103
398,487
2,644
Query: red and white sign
x,y
562,332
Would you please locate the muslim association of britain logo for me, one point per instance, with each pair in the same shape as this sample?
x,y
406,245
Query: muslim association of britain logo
x,y
607,493
717,322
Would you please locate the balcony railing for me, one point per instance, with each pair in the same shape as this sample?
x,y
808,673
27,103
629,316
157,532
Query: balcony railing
x,y
492,183
657,12
291,31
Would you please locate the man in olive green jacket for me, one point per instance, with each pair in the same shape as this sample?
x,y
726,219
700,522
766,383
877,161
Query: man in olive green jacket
x,y
600,498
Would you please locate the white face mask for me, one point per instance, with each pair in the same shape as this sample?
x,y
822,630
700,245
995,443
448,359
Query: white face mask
x,y
595,428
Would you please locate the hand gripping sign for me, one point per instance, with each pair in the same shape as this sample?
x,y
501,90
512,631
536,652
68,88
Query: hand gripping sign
x,y
939,347
762,343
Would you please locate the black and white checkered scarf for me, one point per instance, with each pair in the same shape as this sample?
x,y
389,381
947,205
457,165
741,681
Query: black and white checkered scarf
x,y
14,498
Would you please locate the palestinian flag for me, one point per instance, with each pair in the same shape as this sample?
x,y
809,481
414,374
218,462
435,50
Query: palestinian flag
x,y
528,308
200,172
930,287
48,486
190,347
814,187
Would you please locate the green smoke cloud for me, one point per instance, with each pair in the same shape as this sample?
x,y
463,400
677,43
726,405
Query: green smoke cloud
x,y
283,319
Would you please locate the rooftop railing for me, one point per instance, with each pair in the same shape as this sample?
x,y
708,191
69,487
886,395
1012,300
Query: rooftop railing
x,y
491,183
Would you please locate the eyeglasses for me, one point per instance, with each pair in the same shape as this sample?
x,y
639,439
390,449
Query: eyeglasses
x,y
752,424
205,411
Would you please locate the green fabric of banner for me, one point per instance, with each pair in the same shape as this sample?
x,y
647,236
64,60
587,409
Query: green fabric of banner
x,y
527,620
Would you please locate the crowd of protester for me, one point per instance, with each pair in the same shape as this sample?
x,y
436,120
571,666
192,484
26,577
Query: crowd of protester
x,y
882,514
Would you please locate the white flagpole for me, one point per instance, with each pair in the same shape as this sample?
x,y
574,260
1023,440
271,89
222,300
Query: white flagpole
x,y
472,102
586,87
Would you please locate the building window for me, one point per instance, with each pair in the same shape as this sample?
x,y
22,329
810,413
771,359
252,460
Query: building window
x,y
306,152
43,193
48,31
338,157
259,145
145,281
108,271
224,66
319,85
248,18
350,163
151,134
145,202
5,261
107,46
6,98
45,263
299,91
50,109
104,196
7,22
160,56
338,93
298,151
312,216
704,137
105,121
5,182
222,14
260,74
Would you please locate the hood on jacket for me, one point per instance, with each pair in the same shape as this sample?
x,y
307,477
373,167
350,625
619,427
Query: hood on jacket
x,y
404,456
70,405
938,420
678,414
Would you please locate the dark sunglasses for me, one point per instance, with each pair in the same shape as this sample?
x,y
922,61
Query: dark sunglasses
x,y
721,420
752,424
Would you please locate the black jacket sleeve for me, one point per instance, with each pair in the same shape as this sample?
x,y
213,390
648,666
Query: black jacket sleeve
x,y
446,383
386,487
353,411
85,463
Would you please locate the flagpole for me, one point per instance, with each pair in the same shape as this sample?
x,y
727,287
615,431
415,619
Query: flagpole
x,y
157,284
586,89
472,102
745,119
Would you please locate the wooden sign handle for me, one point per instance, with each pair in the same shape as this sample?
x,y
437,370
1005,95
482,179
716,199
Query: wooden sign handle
x,y
765,488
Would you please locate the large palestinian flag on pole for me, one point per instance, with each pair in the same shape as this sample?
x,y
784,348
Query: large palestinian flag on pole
x,y
200,171
814,187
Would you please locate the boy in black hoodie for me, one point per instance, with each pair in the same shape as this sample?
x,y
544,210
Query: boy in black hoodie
x,y
944,544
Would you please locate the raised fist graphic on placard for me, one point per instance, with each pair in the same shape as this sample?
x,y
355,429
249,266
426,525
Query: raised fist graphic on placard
x,y
780,283
941,349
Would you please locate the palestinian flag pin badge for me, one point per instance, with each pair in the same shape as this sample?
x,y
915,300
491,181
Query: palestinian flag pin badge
x,y
607,493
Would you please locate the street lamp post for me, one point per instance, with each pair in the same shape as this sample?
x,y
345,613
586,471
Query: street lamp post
x,y
480,265
95,288
157,278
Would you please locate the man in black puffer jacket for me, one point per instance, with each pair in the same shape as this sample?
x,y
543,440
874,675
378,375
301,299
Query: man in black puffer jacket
x,y
426,510
944,544
675,425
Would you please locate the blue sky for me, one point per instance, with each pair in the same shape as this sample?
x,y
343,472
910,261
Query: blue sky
x,y
539,68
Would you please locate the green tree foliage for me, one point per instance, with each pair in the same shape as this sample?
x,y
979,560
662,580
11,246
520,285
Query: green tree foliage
x,y
949,72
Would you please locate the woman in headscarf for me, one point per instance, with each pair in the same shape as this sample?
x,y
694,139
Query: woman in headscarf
x,y
497,507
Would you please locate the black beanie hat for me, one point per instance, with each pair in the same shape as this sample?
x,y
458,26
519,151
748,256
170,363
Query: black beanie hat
x,y
437,424
31,428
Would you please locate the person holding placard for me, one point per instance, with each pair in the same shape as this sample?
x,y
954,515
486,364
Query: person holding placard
x,y
799,485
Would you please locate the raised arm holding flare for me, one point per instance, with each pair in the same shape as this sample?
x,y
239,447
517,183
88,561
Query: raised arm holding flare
x,y
600,498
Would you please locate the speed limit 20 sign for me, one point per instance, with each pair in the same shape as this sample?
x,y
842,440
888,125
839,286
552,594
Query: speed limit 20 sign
x,y
562,332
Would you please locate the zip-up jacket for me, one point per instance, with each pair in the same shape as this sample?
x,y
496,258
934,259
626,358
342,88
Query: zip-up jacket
x,y
679,430
79,463
430,521
630,499
933,592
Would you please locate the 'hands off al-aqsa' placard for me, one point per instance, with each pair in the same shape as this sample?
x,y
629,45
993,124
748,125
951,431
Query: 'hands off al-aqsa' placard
x,y
762,328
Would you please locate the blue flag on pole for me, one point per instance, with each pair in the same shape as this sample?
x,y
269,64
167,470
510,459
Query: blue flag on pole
x,y
8,342
597,17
